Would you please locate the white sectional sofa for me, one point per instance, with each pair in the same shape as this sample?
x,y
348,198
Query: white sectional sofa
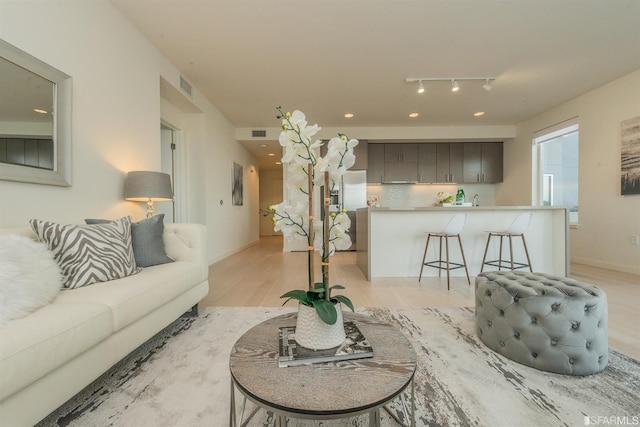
x,y
53,353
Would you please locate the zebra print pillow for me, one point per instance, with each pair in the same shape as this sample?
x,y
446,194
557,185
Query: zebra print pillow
x,y
89,254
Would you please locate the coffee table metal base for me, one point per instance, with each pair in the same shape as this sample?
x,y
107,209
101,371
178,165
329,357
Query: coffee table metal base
x,y
281,417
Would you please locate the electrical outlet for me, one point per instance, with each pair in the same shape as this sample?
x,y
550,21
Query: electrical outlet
x,y
635,240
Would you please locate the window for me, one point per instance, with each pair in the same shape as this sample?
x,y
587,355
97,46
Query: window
x,y
556,171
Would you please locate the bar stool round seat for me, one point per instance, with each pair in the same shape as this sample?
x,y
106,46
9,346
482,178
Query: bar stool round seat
x,y
516,229
452,230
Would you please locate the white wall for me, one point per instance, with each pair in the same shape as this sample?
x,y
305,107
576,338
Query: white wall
x,y
116,124
607,219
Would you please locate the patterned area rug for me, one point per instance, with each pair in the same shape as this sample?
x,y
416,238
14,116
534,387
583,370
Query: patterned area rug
x,y
181,378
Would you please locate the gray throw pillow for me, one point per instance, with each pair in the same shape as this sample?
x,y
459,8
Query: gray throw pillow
x,y
146,235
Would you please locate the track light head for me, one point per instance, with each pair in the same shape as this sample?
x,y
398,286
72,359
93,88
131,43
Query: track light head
x,y
487,85
420,87
454,86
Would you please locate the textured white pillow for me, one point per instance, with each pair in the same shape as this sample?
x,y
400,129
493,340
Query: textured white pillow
x,y
29,276
89,254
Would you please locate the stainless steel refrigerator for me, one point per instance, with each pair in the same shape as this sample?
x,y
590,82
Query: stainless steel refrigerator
x,y
353,195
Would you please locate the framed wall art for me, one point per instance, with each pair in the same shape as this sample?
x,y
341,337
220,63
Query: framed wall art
x,y
236,185
630,157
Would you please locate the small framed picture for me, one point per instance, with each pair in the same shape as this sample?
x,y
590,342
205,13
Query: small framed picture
x,y
236,185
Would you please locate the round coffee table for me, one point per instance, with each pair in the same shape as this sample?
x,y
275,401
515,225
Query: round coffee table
x,y
322,391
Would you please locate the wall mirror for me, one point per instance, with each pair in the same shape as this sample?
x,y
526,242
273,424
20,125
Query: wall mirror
x,y
35,120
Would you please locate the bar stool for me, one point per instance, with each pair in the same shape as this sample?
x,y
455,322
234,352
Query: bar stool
x,y
517,229
453,229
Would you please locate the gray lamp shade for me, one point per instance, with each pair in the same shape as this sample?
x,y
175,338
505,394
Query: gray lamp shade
x,y
142,186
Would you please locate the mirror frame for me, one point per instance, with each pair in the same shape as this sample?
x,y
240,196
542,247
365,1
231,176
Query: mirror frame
x,y
61,174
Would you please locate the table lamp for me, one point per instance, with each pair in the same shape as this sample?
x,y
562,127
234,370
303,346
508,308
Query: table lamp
x,y
148,186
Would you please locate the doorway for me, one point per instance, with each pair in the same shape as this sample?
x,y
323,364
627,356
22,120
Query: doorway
x,y
270,194
170,164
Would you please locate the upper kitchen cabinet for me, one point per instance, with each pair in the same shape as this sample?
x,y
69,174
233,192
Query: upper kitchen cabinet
x,y
427,163
482,162
400,153
362,156
375,164
400,163
449,162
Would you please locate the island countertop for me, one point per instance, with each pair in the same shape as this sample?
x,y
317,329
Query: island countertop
x,y
463,208
391,240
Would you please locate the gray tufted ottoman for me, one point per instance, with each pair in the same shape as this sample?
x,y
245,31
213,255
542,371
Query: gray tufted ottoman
x,y
550,323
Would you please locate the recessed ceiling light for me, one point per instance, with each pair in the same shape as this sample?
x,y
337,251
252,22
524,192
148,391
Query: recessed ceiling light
x,y
348,115
263,145
278,163
413,115
38,110
479,113
270,154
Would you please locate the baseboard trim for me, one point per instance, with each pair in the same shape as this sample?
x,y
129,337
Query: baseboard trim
x,y
606,265
233,252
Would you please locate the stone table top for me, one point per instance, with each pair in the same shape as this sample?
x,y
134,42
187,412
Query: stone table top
x,y
332,388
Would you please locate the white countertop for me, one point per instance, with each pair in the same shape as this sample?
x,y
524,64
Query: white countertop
x,y
462,208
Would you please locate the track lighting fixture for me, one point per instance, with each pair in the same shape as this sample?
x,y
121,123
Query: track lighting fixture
x,y
454,82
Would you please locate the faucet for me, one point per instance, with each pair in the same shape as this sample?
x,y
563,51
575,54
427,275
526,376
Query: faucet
x,y
476,199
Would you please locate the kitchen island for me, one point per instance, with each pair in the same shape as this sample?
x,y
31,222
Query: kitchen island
x,y
390,241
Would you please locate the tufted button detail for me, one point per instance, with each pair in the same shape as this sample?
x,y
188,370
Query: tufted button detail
x,y
559,301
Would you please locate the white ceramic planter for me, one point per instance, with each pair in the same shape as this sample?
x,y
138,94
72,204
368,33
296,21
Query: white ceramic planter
x,y
313,333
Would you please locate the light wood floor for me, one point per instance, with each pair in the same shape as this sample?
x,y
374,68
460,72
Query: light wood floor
x,y
259,274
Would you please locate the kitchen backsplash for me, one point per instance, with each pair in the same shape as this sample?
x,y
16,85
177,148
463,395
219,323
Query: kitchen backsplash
x,y
415,195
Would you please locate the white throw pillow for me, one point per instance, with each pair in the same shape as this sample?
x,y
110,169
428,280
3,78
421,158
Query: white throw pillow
x,y
29,276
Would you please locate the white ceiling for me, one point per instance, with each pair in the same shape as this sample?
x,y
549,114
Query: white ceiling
x,y
330,57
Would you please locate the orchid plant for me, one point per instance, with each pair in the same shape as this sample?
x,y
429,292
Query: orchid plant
x,y
294,216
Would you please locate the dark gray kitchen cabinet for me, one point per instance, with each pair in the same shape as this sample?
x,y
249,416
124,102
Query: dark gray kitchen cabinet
x,y
400,163
482,162
449,162
375,164
427,163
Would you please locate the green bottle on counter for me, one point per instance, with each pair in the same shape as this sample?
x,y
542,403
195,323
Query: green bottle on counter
x,y
460,196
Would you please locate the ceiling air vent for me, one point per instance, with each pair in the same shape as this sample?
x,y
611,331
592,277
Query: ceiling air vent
x,y
185,85
258,133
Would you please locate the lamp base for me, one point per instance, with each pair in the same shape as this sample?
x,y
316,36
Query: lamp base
x,y
150,208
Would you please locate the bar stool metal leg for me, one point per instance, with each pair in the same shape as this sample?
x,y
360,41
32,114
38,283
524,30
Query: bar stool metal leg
x,y
464,260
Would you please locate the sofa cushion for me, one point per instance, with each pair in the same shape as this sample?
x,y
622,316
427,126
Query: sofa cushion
x,y
133,297
90,253
29,276
146,237
34,345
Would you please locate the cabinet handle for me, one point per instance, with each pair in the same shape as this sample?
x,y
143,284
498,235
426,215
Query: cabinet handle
x,y
478,178
482,177
452,178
